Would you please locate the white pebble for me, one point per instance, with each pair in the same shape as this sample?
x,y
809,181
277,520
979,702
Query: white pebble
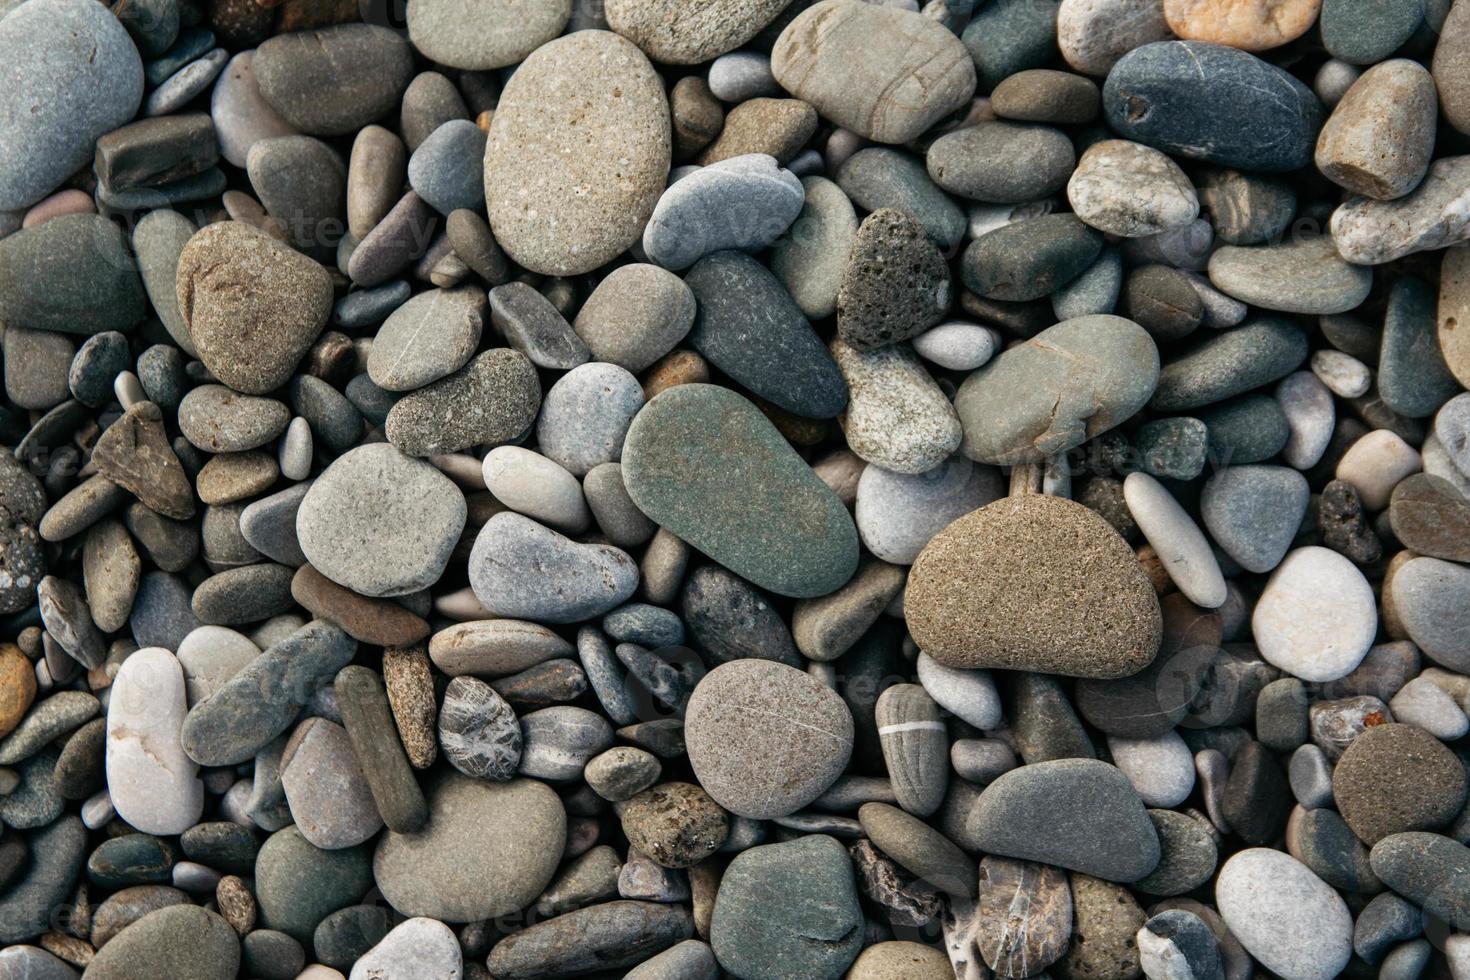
x,y
296,448
1424,703
1344,374
531,484
1160,769
970,694
958,346
1375,464
1310,416
1317,616
1181,545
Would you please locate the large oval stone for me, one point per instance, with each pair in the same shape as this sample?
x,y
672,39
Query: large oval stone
x,y
154,786
488,849
885,73
1209,102
704,463
178,941
1287,918
578,153
336,80
71,75
73,274
1062,387
1034,583
682,33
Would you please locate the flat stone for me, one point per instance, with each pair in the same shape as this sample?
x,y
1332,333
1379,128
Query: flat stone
x,y
763,770
1217,367
1300,276
636,315
557,742
134,453
333,80
331,803
1067,384
1250,25
447,168
154,786
1029,259
1188,854
533,326
250,338
778,127
881,177
1184,97
748,326
1024,814
572,581
494,647
816,898
913,71
585,416
673,34
566,220
77,76
1178,943
72,274
1361,34
48,881
63,610
488,850
490,400
1006,38
1370,232
1428,869
450,33
811,260
404,515
298,885
1132,190
1266,895
1022,919
179,940
240,115
608,935
1181,546
1161,769
756,531
236,722
731,619
478,731
696,215
1002,162
430,337
1316,618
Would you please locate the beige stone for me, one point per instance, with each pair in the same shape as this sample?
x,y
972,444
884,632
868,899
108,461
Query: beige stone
x,y
1251,25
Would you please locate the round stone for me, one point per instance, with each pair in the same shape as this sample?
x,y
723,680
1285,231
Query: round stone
x,y
693,218
574,216
431,336
488,850
380,523
1002,162
1254,512
766,739
1131,190
586,414
1062,593
897,417
418,947
635,316
331,803
478,730
298,885
521,569
479,36
1094,34
1160,769
491,400
1317,617
1250,25
1380,137
1394,778
177,941
1287,918
896,283
1029,259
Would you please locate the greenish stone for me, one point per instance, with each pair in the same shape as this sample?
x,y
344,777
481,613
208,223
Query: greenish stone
x,y
1413,379
1030,259
1248,429
1260,351
297,884
788,909
178,941
1008,36
1172,448
881,177
1067,384
704,463
73,274
133,859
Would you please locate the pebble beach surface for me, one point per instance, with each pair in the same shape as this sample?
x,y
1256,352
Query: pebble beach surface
x,y
768,489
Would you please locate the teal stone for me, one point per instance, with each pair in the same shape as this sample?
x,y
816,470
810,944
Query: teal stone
x,y
788,910
297,885
1413,378
704,463
1067,384
1362,32
1008,36
1030,259
132,859
1256,353
73,274
1249,429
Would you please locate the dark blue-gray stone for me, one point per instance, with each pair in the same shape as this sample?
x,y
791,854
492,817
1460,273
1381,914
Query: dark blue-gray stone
x,y
749,327
1214,103
191,45
297,885
1008,36
881,177
1256,353
56,857
448,168
1362,32
162,615
162,375
788,909
101,358
73,274
641,623
260,702
706,464
344,936
365,307
132,859
335,422
1413,379
1247,429
1030,259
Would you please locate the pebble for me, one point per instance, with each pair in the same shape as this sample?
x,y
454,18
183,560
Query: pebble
x,y
957,346
748,326
677,825
915,747
1375,464
897,418
1161,769
415,947
896,283
763,770
487,850
778,127
1023,814
889,92
1177,944
59,50
1035,539
461,36
694,217
1222,365
1178,96
1029,259
1069,383
427,338
451,414
1132,190
240,115
969,694
1046,95
791,555
1454,306
478,731
298,885
982,162
1316,618
1413,378
333,80
1379,138
558,741
1362,33
1301,276
571,581
608,935
379,750
252,339
1289,920
1447,65
532,484
586,414
742,75
447,168
880,177
180,88
1395,778
1094,34
1177,540
636,315
494,647
180,940
154,786
79,277
1370,232
755,936
671,33
1188,853
1007,38
570,220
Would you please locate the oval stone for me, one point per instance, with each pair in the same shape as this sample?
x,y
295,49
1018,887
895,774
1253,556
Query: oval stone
x,y
476,35
680,33
72,74
177,941
572,170
1069,383
1059,592
1316,618
335,80
154,786
1213,103
488,850
882,72
1290,920
704,463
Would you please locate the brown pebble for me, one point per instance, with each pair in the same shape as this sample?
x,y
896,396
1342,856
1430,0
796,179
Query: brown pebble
x,y
1106,918
1058,591
410,684
17,687
680,367
696,114
778,127
69,948
1429,517
134,452
677,825
229,477
1394,778
236,904
381,622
